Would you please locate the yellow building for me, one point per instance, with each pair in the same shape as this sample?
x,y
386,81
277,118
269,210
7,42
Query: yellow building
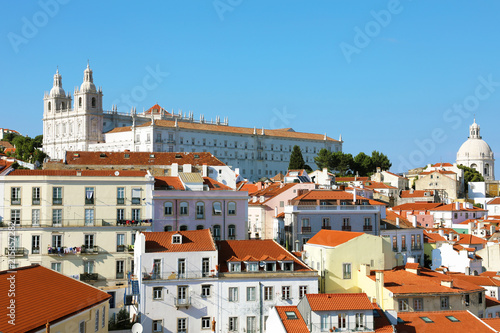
x,y
338,256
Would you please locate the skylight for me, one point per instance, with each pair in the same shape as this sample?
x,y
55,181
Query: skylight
x,y
453,319
426,319
290,315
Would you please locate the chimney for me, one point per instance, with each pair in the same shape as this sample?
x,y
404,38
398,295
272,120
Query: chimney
x,y
492,229
451,236
413,219
441,232
204,172
186,168
275,210
174,170
365,269
470,227
397,222
457,205
354,197
447,283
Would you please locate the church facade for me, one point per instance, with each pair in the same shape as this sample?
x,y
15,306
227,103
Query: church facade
x,y
476,153
81,124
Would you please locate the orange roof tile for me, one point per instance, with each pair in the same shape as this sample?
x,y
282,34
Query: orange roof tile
x,y
192,241
214,185
471,239
82,173
437,165
297,325
250,188
493,322
494,201
89,158
412,265
416,194
156,109
328,195
431,237
491,273
6,144
168,183
279,177
378,185
444,172
451,207
391,217
417,206
265,249
351,179
339,302
481,280
43,295
333,238
381,323
467,322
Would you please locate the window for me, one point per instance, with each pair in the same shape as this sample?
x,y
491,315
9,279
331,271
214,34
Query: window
x,y
82,324
233,324
231,208
35,197
93,102
57,195
403,304
205,290
97,320
168,208
15,196
89,217
302,291
157,293
324,322
181,267
403,243
56,266
136,196
157,326
200,210
216,232
346,269
120,268
325,223
251,325
250,294
120,215
467,300
270,266
285,292
120,195
15,216
183,208
252,267
182,294
418,304
480,298
35,217
235,267
342,320
56,240
136,214
89,242
231,231
445,303
183,227
394,243
176,239
35,244
88,266
205,323
120,242
216,208
427,320
453,319
89,195
56,217
233,294
103,322
287,266
268,293
492,293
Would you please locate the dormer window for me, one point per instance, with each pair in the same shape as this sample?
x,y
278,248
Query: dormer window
x,y
252,267
270,266
176,239
235,267
287,266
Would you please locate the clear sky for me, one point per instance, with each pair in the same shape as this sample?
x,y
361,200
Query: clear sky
x,y
402,77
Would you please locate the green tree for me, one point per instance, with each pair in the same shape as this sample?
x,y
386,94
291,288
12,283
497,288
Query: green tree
x,y
38,141
363,164
9,137
324,159
470,175
381,161
346,164
296,159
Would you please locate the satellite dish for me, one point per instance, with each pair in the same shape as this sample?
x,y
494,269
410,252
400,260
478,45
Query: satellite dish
x,y
117,173
137,328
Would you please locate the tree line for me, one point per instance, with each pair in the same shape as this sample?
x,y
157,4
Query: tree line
x,y
27,149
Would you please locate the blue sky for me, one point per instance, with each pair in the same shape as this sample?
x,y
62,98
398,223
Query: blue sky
x,y
384,74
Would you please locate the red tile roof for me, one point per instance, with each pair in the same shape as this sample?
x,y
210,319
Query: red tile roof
x,y
493,322
82,173
451,207
494,201
140,158
339,302
417,206
43,295
259,249
351,179
279,177
328,195
467,322
491,273
470,239
214,185
412,265
156,109
437,165
192,241
391,217
250,188
416,194
170,183
444,172
333,238
431,237
378,185
381,323
292,325
6,144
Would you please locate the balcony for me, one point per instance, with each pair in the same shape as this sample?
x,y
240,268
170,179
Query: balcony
x,y
35,250
15,201
120,201
306,230
346,228
120,275
297,208
367,228
326,227
182,302
88,277
130,248
35,201
136,201
394,249
90,249
57,201
53,250
14,251
121,248
89,201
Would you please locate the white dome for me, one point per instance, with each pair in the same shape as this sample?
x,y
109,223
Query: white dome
x,y
87,87
474,149
57,92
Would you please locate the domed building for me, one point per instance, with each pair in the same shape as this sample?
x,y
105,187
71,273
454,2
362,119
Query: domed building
x,y
476,153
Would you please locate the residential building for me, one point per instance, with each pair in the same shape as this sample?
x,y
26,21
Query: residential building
x,y
190,201
392,179
339,255
419,209
412,196
43,300
189,282
455,213
88,127
323,178
445,183
442,321
286,319
493,206
457,258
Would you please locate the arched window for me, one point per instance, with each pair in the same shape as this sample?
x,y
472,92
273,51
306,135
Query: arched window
x,y
486,169
216,232
200,210
49,106
63,105
184,208
167,228
231,231
200,227
168,208
93,102
183,227
80,101
216,208
231,208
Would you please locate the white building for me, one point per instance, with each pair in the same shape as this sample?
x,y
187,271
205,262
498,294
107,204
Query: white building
x,y
457,259
86,126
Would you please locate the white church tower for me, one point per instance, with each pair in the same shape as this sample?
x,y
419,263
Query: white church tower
x,y
66,128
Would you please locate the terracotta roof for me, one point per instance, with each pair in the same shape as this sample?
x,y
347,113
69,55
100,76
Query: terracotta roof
x,y
431,237
280,215
328,195
400,281
43,295
9,150
416,194
491,273
494,201
250,188
390,217
467,322
260,249
279,177
300,172
380,321
156,109
444,172
351,179
451,207
417,206
140,158
378,185
6,144
271,191
282,133
333,238
192,241
82,173
412,265
339,302
168,183
214,185
493,322
437,165
395,174
297,325
470,239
